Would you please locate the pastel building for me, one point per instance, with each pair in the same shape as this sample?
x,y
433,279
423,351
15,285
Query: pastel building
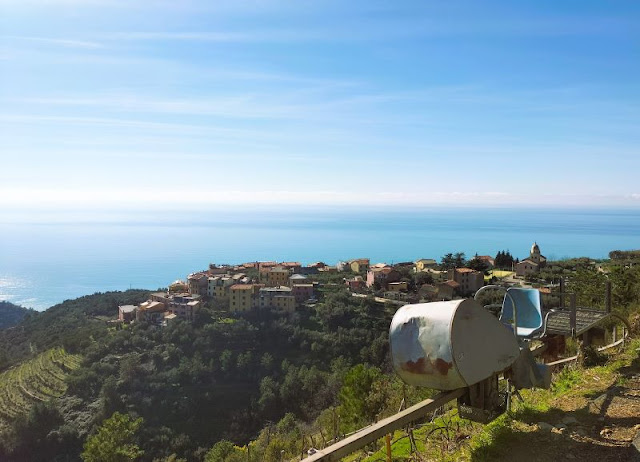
x,y
425,263
242,297
184,306
298,279
278,276
302,292
470,280
127,313
218,286
151,311
355,283
359,265
382,275
197,283
279,298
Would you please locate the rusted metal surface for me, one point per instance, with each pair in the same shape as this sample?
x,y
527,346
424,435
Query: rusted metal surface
x,y
559,322
420,345
378,430
443,345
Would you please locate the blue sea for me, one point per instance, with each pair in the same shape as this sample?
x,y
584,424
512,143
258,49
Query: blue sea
x,y
47,258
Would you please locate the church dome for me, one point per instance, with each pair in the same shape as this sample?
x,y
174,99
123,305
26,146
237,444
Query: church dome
x,y
535,248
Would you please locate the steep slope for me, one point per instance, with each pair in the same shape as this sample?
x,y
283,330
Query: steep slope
x,y
11,315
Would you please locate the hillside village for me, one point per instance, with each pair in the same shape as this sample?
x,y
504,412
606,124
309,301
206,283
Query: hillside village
x,y
317,365
286,286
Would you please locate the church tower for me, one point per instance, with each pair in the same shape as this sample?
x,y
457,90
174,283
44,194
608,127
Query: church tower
x,y
535,253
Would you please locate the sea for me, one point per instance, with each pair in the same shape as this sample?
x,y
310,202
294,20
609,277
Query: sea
x,y
46,258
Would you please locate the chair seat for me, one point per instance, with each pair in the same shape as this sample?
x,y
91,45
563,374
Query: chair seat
x,y
527,332
528,309
524,332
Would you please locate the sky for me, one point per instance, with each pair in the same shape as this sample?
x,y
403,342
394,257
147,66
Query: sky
x,y
165,104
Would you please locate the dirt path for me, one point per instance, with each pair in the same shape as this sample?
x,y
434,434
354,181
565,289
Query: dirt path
x,y
596,420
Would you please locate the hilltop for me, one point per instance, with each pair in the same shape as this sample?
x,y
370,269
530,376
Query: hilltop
x,y
11,315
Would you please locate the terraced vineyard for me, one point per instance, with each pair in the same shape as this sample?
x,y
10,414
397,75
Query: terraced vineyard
x,y
39,379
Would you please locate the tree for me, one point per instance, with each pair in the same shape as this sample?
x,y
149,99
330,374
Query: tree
x,y
358,404
478,265
452,260
114,440
447,261
503,260
220,451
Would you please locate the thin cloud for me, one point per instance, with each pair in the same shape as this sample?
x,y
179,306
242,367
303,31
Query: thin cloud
x,y
17,197
186,36
64,42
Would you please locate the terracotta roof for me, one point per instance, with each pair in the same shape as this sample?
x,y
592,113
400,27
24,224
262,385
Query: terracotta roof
x,y
198,275
151,306
466,270
453,284
426,260
360,260
531,262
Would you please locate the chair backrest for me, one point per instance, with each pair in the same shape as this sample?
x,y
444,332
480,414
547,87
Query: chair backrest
x,y
529,311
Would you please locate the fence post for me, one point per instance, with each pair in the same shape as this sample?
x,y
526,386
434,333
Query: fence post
x,y
387,439
572,315
561,292
607,297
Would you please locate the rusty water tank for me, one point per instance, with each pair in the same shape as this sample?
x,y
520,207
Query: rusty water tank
x,y
449,345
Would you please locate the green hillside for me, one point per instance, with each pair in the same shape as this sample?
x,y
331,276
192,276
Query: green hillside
x,y
11,315
256,383
37,380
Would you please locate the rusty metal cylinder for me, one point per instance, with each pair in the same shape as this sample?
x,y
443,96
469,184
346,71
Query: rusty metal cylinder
x,y
449,345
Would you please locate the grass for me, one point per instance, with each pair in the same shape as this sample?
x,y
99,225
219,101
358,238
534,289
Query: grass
x,y
512,436
501,273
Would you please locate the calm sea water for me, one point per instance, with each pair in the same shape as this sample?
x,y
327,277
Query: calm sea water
x,y
44,261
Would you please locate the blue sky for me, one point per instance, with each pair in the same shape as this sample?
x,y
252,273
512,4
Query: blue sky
x,y
169,103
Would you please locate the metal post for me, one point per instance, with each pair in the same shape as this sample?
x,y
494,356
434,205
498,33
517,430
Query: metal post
x,y
607,297
572,315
